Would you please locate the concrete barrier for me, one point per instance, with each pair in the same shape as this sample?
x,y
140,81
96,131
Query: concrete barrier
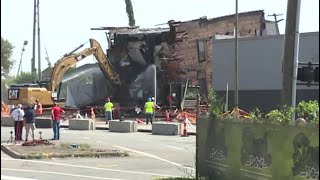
x,y
82,124
7,121
43,122
123,126
164,128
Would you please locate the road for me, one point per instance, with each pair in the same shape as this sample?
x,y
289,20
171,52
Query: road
x,y
150,156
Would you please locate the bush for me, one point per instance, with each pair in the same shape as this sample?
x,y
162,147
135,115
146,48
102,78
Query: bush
x,y
281,116
216,104
309,111
255,115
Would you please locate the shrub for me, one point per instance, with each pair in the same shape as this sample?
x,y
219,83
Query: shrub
x,y
255,115
216,104
281,116
309,111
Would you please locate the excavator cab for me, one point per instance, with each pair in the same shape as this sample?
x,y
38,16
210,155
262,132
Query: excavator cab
x,y
55,95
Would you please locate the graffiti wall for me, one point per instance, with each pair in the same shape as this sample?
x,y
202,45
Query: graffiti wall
x,y
235,150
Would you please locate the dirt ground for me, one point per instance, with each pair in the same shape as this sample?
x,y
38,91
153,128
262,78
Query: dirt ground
x,y
58,148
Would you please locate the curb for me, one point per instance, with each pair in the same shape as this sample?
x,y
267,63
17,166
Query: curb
x,y
11,152
139,130
16,155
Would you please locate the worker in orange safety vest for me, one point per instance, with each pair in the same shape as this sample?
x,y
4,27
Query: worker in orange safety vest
x,y
38,107
4,109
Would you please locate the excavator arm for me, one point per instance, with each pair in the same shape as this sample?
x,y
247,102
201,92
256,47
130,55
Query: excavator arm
x,y
104,63
62,65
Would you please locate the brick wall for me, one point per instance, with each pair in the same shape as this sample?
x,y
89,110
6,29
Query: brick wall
x,y
188,33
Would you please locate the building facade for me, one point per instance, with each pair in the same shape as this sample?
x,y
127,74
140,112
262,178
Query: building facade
x,y
193,46
260,69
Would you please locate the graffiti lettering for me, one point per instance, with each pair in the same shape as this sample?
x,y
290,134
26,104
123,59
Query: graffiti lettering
x,y
217,154
187,171
310,173
256,162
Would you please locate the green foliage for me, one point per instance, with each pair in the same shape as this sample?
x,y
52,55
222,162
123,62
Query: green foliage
x,y
216,104
255,114
281,116
6,53
129,10
309,111
26,77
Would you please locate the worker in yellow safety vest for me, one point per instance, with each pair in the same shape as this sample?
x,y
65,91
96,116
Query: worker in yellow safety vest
x,y
108,106
149,110
38,107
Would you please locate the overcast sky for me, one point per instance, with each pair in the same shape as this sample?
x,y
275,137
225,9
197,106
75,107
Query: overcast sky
x,y
65,24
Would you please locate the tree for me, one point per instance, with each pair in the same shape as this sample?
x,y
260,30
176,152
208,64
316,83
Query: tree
x,y
6,53
130,13
26,77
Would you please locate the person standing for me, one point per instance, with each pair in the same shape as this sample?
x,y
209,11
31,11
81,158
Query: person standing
x,y
38,107
17,115
149,109
156,106
56,114
108,106
29,117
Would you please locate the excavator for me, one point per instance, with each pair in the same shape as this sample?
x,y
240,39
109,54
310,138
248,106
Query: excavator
x,y
48,91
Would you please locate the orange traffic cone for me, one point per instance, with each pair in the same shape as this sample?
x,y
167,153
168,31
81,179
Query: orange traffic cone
x,y
139,121
167,116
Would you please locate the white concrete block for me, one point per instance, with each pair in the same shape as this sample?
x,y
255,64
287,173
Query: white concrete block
x,y
7,121
82,124
166,128
123,126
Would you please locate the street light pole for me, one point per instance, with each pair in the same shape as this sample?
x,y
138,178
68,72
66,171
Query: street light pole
x,y
236,89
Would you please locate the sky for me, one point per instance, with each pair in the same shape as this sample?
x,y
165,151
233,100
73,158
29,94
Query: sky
x,y
65,24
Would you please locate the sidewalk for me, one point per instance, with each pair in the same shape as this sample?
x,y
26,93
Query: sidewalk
x,y
101,125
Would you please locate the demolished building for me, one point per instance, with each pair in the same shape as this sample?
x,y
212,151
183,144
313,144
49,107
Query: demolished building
x,y
182,51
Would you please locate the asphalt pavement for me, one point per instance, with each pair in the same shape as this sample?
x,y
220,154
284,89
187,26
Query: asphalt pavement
x,y
150,156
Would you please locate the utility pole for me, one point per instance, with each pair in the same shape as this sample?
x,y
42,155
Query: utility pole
x,y
39,47
197,136
276,21
291,55
236,85
33,64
